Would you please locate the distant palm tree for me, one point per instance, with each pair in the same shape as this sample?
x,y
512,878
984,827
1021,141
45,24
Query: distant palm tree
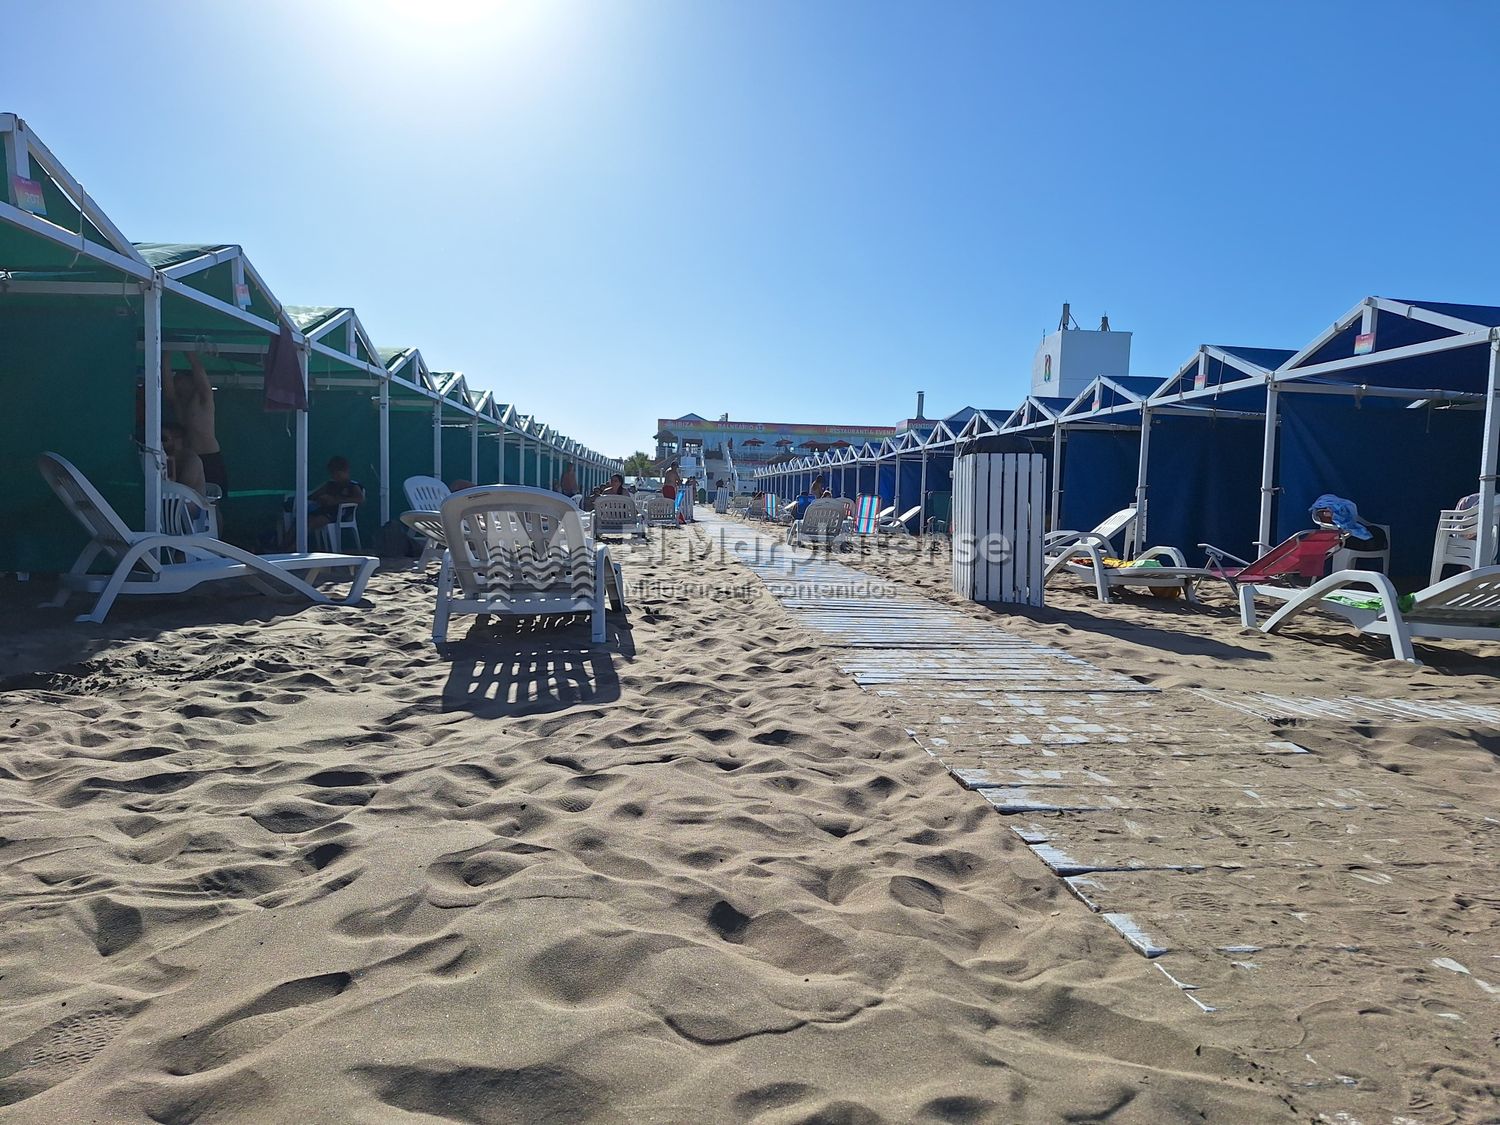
x,y
639,464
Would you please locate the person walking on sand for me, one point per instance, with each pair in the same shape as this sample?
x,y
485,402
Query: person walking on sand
x,y
192,399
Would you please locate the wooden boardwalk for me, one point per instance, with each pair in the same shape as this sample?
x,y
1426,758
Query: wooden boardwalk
x,y
1236,860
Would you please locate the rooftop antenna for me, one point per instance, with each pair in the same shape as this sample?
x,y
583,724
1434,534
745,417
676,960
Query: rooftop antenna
x,y
1067,320
1104,323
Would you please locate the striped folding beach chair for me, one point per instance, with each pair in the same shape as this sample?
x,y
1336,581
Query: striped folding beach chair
x,y
867,515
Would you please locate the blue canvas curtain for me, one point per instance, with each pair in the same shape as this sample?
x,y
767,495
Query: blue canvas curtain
x,y
911,483
1400,466
1098,475
1204,484
885,482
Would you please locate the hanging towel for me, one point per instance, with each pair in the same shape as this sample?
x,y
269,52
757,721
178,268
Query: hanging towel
x,y
1345,514
284,389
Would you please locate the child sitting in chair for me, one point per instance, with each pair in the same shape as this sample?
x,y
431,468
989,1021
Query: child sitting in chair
x,y
323,502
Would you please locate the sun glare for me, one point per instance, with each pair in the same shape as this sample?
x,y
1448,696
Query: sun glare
x,y
458,25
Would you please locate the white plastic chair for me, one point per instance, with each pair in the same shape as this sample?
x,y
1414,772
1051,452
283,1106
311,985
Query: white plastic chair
x,y
617,516
331,534
658,511
426,494
519,551
1464,607
136,569
428,527
1457,542
185,511
1349,556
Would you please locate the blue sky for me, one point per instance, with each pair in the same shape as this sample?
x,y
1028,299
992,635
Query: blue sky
x,y
795,210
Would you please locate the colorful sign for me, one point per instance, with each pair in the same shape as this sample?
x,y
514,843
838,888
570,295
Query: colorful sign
x,y
1200,380
1364,343
29,195
681,426
1047,368
242,295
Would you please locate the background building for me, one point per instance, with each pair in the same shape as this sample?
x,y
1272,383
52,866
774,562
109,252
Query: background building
x,y
749,445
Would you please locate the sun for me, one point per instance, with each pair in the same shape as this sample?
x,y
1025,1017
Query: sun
x,y
456,24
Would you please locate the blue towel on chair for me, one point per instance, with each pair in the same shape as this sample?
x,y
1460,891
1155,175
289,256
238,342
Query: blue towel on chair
x,y
1345,514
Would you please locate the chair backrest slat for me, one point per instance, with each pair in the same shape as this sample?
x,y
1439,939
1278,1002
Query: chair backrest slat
x,y
426,494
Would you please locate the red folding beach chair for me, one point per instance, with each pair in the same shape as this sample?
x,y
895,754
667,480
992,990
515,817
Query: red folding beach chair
x,y
1304,556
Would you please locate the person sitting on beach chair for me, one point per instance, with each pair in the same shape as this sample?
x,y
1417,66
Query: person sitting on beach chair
x,y
324,502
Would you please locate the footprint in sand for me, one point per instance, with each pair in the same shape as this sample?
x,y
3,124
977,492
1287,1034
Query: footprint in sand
x,y
251,1026
60,1050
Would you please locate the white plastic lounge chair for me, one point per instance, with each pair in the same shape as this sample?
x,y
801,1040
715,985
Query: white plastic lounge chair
x,y
428,526
137,570
617,516
1087,560
898,525
1121,522
1464,607
825,523
658,511
521,552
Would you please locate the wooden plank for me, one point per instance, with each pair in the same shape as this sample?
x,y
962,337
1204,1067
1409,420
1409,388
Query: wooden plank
x,y
1257,837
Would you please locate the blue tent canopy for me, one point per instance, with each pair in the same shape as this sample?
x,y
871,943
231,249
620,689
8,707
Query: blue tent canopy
x,y
1382,408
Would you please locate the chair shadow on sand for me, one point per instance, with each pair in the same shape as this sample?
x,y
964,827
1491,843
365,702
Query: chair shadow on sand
x,y
507,668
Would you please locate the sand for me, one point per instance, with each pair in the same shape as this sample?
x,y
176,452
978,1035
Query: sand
x,y
263,863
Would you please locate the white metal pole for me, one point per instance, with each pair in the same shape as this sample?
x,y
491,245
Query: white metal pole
x,y
1057,466
385,452
1484,536
301,499
896,487
922,498
437,439
474,450
1140,480
1268,468
153,460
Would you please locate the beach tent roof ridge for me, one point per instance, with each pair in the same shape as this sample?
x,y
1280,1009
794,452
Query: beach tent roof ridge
x,y
67,225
